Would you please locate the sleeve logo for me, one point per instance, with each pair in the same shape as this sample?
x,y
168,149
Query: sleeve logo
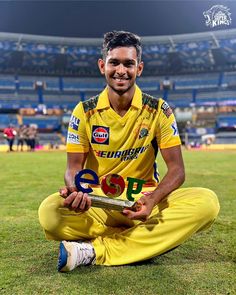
x,y
166,109
100,135
175,129
72,138
74,123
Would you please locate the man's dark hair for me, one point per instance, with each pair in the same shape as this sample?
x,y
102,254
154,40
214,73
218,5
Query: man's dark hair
x,y
115,39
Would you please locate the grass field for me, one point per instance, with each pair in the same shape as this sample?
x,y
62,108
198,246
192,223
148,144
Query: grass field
x,y
203,265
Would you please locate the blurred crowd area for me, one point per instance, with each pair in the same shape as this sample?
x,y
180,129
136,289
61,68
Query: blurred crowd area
x,y
42,79
22,136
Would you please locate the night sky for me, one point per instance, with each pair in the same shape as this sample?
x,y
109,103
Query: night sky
x,y
93,18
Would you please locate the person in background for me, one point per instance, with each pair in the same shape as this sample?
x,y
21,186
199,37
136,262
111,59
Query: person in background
x,y
32,134
21,137
10,134
26,138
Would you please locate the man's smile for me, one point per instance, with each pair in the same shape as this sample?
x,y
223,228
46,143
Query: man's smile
x,y
120,79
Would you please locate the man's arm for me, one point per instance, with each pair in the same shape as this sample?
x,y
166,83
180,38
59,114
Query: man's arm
x,y
75,200
173,179
175,175
75,163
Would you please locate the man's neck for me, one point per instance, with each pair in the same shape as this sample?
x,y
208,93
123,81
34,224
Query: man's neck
x,y
120,103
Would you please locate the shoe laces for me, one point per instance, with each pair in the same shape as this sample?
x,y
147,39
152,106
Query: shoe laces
x,y
85,253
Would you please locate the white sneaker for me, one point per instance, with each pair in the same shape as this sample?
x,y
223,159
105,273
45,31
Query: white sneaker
x,y
73,254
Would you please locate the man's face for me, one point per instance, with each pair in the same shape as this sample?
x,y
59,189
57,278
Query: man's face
x,y
121,68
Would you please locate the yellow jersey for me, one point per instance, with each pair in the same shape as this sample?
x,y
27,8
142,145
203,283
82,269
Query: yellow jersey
x,y
125,145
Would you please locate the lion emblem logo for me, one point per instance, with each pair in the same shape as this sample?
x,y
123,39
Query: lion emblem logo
x,y
217,15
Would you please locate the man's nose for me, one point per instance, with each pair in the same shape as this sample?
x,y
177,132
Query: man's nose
x,y
120,69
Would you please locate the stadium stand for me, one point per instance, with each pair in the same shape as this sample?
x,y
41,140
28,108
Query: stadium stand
x,y
7,82
229,79
219,97
43,78
44,124
6,119
196,81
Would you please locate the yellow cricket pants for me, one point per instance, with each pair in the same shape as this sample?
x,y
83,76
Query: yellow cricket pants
x,y
118,240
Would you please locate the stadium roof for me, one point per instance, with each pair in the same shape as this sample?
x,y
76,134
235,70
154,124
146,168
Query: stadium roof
x,y
183,53
90,19
210,35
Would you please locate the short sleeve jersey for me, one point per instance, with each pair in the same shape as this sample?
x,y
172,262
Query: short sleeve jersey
x,y
125,145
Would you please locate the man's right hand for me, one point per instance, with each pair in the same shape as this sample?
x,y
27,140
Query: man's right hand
x,y
74,200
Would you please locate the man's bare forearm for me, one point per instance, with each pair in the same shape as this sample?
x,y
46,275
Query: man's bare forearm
x,y
173,179
75,163
69,177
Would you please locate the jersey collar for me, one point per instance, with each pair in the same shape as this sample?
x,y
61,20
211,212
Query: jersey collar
x,y
103,101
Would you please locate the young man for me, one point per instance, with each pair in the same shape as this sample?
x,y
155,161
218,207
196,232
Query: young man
x,y
120,131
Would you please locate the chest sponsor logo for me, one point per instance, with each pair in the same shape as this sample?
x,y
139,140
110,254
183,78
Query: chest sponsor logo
x,y
100,135
124,155
72,138
166,109
74,123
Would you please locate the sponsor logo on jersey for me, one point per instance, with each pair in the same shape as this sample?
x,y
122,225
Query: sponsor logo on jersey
x,y
74,123
125,155
72,138
166,109
100,134
175,128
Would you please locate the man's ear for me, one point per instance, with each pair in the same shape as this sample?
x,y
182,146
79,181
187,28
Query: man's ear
x,y
101,65
140,68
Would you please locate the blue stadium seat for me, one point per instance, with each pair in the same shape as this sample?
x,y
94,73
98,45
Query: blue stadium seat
x,y
44,123
6,119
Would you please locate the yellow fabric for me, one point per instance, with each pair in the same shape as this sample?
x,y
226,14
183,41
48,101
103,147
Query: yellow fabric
x,y
129,149
127,146
118,240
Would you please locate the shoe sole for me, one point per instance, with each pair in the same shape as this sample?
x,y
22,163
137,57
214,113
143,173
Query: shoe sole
x,y
62,257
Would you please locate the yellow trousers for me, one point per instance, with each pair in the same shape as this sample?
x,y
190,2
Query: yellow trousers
x,y
118,240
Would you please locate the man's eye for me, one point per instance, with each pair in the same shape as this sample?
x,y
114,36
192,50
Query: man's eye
x,y
129,64
114,63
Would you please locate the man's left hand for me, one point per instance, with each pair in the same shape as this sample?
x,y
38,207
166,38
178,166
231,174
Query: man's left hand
x,y
145,205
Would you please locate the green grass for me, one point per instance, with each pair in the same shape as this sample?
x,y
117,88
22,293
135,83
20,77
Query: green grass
x,y
203,265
